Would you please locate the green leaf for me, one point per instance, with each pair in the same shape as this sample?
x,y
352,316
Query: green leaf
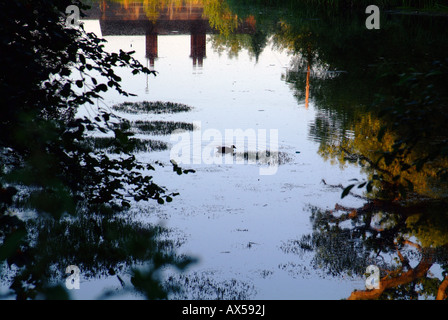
x,y
347,191
369,186
82,59
101,87
106,116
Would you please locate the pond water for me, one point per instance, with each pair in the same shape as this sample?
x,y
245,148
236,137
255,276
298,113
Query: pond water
x,y
240,222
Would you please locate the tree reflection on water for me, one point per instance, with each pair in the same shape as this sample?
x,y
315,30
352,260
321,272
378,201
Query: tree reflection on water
x,y
381,104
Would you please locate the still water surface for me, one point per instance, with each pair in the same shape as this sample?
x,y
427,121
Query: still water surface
x,y
241,225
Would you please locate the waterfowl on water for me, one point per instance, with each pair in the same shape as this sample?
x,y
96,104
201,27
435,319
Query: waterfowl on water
x,y
226,149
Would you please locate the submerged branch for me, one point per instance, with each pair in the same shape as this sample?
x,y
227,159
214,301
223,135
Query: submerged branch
x,y
412,274
442,292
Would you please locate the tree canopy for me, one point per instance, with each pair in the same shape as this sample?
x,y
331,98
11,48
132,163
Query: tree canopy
x,y
61,200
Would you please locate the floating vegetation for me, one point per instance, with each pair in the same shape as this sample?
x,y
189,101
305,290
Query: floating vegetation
x,y
156,107
160,127
264,157
298,270
110,144
205,287
265,274
156,127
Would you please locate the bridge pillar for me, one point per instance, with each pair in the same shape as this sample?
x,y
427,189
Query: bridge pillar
x,y
198,42
151,46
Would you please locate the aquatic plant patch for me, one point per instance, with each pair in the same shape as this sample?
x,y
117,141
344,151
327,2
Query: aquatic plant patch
x,y
159,127
109,144
156,107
